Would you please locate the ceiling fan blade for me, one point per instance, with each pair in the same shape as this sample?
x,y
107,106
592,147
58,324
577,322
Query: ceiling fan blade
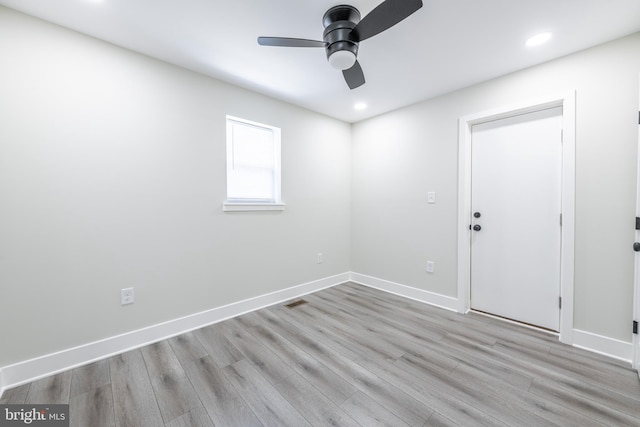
x,y
384,16
288,42
354,76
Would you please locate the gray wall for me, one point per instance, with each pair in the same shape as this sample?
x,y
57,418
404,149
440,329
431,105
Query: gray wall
x,y
112,174
400,156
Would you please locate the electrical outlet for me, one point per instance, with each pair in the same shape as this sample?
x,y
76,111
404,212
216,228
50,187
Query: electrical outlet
x,y
319,258
430,267
431,197
126,296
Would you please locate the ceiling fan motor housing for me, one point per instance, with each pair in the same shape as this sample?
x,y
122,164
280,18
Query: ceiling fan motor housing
x,y
339,21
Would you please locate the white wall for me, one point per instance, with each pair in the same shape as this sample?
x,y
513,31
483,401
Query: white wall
x,y
400,156
112,174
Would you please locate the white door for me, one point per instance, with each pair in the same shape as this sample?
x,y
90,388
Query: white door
x,y
636,309
516,180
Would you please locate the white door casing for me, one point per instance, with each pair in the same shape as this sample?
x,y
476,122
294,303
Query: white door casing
x,y
636,287
516,191
567,102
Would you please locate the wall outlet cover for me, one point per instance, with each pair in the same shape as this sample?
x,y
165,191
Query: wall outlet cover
x,y
126,296
430,267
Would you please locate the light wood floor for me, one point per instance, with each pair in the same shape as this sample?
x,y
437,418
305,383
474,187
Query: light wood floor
x,y
350,356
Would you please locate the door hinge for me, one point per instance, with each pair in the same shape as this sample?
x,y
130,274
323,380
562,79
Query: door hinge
x,y
560,220
635,327
560,303
637,223
562,135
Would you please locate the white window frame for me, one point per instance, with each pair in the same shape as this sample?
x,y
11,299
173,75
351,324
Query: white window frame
x,y
249,204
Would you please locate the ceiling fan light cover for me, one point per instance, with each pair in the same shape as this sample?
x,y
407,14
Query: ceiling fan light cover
x,y
342,59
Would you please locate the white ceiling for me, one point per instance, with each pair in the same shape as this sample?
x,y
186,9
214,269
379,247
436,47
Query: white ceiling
x,y
446,45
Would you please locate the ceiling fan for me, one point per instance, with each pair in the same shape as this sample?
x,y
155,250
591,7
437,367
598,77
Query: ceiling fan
x,y
344,30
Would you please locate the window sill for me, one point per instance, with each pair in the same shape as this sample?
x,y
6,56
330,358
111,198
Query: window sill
x,y
248,207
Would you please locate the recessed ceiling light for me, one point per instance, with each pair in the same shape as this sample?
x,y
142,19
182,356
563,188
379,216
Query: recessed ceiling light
x,y
538,39
360,106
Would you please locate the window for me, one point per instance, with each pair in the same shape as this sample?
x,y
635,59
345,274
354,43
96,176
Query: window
x,y
253,166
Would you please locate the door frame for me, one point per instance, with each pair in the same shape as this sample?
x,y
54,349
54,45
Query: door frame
x,y
567,253
636,279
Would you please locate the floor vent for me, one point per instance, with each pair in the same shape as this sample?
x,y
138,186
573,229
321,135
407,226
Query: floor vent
x,y
296,303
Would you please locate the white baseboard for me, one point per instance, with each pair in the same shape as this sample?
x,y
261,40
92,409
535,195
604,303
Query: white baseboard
x,y
40,367
596,343
603,345
34,369
442,301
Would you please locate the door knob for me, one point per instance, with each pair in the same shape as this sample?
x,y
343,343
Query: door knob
x,y
636,246
478,228
477,215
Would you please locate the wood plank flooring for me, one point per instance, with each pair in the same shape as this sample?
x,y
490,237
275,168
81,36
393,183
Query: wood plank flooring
x,y
351,356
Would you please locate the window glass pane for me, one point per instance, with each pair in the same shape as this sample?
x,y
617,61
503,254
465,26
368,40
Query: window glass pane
x,y
252,147
251,183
